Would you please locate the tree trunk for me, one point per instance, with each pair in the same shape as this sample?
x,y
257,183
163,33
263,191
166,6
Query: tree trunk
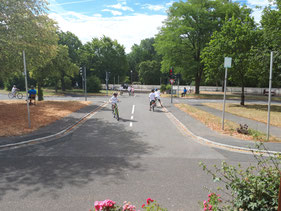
x,y
222,86
197,85
242,95
62,83
56,87
40,92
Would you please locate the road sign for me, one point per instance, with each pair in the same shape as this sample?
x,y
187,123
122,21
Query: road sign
x,y
172,80
227,62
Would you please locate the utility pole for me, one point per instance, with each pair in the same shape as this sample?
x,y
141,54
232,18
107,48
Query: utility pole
x,y
26,88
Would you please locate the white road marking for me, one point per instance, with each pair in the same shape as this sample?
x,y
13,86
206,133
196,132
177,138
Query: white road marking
x,y
131,124
133,109
132,117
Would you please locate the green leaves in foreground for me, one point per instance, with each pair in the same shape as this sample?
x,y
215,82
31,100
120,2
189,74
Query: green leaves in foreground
x,y
253,187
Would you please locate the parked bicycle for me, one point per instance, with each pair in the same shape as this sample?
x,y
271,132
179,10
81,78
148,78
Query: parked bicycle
x,y
17,95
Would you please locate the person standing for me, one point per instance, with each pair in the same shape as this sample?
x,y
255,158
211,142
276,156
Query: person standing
x,y
157,96
32,95
129,90
151,99
184,92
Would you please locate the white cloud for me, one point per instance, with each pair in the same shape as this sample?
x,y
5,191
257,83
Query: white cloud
x,y
154,7
114,12
121,7
257,13
127,30
262,3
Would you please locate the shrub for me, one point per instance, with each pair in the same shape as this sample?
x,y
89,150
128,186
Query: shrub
x,y
168,87
163,88
252,188
93,84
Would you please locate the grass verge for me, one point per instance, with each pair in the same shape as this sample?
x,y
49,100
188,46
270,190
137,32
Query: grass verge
x,y
215,123
256,112
14,119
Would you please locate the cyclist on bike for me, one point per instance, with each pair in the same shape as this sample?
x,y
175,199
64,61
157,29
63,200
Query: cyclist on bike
x,y
157,96
14,90
113,100
151,98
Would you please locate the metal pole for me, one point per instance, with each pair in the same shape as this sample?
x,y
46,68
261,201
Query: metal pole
x,y
131,76
26,88
85,78
178,87
224,98
171,93
106,79
269,96
118,80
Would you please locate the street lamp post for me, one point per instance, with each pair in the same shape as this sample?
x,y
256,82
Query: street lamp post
x,y
131,76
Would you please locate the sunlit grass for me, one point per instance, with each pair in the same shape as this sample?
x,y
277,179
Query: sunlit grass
x,y
230,128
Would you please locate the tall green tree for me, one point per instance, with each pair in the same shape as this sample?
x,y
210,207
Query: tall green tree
x,y
24,25
145,51
236,40
149,72
61,68
187,31
105,55
271,41
73,43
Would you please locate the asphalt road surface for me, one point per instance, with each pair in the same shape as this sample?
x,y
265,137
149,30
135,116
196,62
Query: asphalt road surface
x,y
143,155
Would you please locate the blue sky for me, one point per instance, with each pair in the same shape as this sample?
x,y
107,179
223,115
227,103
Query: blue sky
x,y
127,21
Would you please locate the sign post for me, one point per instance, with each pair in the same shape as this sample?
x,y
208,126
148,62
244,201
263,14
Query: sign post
x,y
269,96
172,81
227,64
26,88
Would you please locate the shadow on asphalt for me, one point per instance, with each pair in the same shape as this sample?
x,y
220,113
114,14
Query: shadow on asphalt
x,y
95,150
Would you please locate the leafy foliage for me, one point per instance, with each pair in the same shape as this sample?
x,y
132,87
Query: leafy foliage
x,y
93,84
251,188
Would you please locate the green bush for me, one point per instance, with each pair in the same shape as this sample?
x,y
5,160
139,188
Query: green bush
x,y
163,88
168,87
252,188
93,84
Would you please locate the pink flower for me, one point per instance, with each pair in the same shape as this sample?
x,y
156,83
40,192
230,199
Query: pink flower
x,y
98,205
149,200
142,206
210,207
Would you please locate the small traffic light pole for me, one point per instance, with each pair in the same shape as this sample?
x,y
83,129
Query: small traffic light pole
x,y
85,81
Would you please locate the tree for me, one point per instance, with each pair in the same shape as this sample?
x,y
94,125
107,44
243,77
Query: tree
x,y
61,68
149,72
140,53
73,43
187,31
24,25
270,41
236,39
105,55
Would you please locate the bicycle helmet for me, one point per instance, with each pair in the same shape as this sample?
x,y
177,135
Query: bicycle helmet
x,y
115,93
152,90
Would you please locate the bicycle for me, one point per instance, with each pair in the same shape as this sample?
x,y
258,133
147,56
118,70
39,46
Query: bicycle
x,y
15,95
116,112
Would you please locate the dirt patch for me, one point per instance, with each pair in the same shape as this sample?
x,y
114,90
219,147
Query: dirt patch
x,y
14,118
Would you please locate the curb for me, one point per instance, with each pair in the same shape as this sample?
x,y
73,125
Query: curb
x,y
56,135
205,141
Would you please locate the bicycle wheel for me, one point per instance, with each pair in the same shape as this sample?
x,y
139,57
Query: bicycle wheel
x,y
19,95
11,95
153,105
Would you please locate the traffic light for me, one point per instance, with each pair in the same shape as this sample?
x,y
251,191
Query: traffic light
x,y
81,71
171,73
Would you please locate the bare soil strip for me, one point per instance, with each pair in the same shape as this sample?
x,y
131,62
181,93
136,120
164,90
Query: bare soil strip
x,y
14,119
